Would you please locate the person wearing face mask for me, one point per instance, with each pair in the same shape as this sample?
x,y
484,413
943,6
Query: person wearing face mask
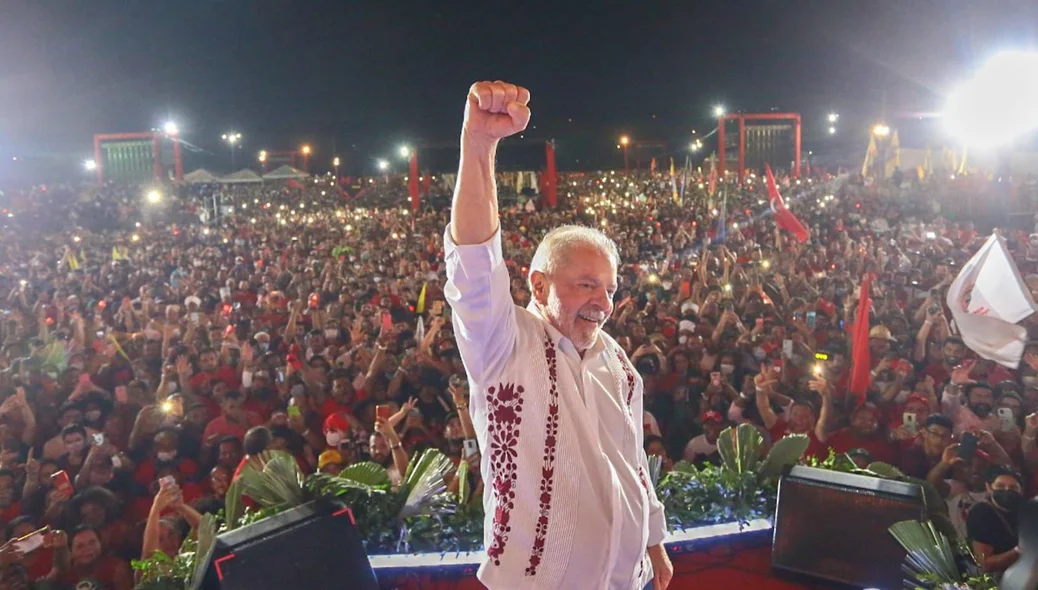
x,y
165,451
992,526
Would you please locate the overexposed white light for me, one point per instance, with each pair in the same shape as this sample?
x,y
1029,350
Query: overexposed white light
x,y
833,117
997,105
154,196
719,110
383,165
405,151
90,164
171,128
832,130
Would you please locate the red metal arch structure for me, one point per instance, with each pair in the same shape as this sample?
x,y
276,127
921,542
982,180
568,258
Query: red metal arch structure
x,y
741,119
549,177
156,138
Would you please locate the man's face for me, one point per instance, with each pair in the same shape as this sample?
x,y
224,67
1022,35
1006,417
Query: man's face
x,y
220,479
879,346
6,490
578,297
92,514
936,438
230,455
70,416
981,401
208,361
801,419
864,422
74,443
378,448
953,353
342,390
233,408
712,429
86,548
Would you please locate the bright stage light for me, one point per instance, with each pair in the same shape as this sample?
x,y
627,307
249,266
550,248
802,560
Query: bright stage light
x,y
719,111
383,165
833,117
306,150
624,140
999,104
263,156
90,165
881,130
832,130
405,151
170,128
154,196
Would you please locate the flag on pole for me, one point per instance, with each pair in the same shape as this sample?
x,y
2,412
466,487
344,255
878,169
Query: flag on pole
x,y
420,307
652,166
419,331
870,156
987,300
861,358
684,177
712,185
722,218
673,182
784,217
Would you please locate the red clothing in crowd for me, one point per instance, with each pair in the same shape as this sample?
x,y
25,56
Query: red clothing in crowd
x,y
112,573
147,471
224,427
815,448
878,446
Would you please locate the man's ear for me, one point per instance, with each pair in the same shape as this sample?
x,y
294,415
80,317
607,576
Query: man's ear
x,y
539,287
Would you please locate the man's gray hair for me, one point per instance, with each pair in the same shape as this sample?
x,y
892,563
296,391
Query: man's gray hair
x,y
554,248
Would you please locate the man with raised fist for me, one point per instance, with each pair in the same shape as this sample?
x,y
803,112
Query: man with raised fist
x,y
556,403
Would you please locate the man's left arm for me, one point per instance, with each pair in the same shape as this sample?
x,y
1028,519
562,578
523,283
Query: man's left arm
x,y
662,568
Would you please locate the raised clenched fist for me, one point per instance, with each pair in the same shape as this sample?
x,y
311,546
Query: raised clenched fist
x,y
496,110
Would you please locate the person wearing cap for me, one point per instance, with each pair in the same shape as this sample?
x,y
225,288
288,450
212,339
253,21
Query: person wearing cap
x,y
880,341
991,526
864,431
702,449
922,452
330,461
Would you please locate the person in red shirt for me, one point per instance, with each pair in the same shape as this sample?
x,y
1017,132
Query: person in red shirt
x,y
234,420
164,452
798,419
953,351
864,432
210,370
9,508
342,396
90,562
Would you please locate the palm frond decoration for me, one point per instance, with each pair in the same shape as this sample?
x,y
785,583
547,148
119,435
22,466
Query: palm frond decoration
x,y
739,448
655,468
206,536
684,466
367,477
426,479
463,482
930,554
786,452
279,483
233,506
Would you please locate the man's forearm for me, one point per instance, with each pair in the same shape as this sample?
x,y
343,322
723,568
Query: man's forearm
x,y
474,214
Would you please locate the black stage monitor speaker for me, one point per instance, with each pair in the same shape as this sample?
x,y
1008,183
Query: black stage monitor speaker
x,y
313,546
835,525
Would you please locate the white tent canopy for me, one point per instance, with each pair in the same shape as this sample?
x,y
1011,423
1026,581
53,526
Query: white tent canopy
x,y
285,172
244,175
200,176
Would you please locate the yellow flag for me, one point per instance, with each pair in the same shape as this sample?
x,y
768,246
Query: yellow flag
x,y
673,181
420,308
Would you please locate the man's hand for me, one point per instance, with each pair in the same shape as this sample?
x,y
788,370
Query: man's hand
x,y
662,569
961,374
495,110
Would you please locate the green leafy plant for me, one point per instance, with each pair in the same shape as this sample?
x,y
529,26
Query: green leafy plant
x,y
934,562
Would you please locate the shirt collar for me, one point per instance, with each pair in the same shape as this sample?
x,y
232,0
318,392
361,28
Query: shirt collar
x,y
596,348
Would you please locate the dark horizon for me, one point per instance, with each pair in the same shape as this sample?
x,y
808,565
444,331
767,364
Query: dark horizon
x,y
359,80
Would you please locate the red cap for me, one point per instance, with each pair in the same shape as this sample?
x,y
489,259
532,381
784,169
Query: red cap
x,y
336,421
712,416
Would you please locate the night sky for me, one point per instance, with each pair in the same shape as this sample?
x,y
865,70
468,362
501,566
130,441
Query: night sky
x,y
364,77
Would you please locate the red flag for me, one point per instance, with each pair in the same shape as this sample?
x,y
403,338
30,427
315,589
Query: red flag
x,y
652,166
713,180
784,217
861,358
412,181
294,184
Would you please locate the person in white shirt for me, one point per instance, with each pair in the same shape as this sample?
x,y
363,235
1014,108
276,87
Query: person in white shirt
x,y
556,404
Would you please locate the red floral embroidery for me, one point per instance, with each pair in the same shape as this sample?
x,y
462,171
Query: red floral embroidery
x,y
630,376
506,405
643,479
551,431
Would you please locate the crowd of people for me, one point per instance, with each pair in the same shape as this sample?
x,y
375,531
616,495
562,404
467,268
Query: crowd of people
x,y
148,355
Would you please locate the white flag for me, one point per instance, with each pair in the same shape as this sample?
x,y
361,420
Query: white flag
x,y
987,300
